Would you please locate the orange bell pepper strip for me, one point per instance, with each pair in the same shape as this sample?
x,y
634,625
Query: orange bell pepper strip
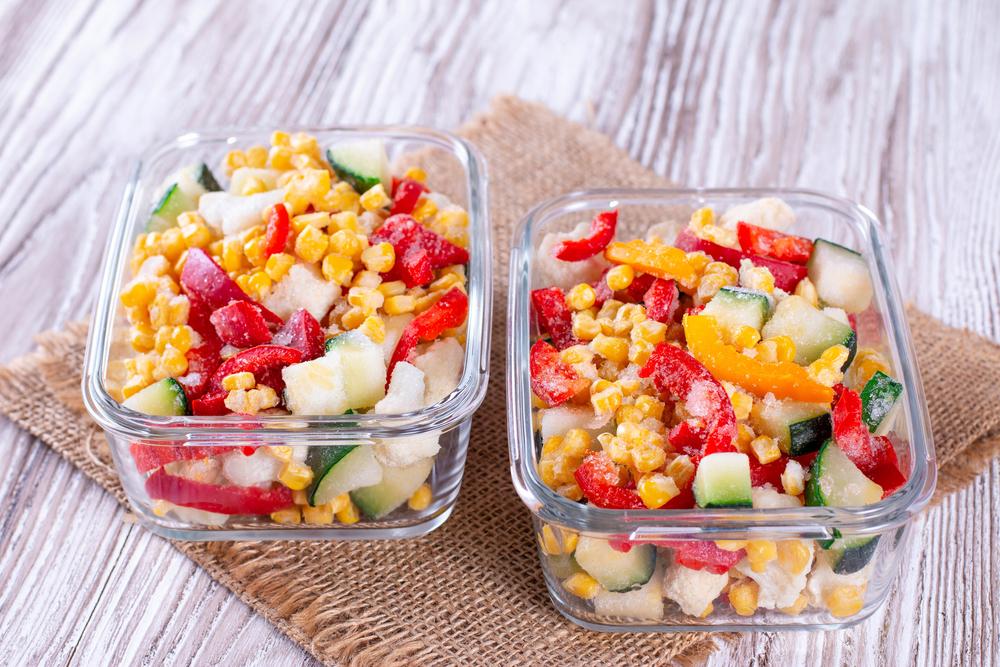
x,y
784,379
657,259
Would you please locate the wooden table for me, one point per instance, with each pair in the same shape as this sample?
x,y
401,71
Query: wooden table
x,y
890,104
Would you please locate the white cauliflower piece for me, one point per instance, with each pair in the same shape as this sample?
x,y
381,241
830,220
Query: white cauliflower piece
x,y
442,366
769,212
692,590
231,214
315,387
405,394
767,497
394,326
837,314
302,287
778,587
558,420
260,468
206,471
823,579
555,272
664,232
645,602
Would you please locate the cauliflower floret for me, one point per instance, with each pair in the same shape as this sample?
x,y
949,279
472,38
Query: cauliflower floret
x,y
778,587
405,394
442,366
555,272
256,469
302,287
692,589
231,213
315,387
823,578
558,420
394,326
767,497
769,212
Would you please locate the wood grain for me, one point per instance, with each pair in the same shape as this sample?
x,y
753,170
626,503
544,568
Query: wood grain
x,y
890,104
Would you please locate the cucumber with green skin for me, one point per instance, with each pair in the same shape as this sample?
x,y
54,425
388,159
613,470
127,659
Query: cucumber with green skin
x,y
363,363
164,398
396,487
734,307
339,469
841,276
810,329
615,570
836,482
364,164
173,202
879,401
799,428
204,177
723,480
850,554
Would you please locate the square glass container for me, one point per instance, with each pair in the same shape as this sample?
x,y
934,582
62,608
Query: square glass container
x,y
561,524
455,169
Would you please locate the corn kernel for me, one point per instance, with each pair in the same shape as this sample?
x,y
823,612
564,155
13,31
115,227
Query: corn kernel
x,y
807,290
344,220
765,448
369,300
656,490
379,258
581,297
392,288
141,338
399,304
349,514
731,545
280,157
613,348
760,553
826,369
232,255
756,277
172,244
244,380
281,452
650,406
843,601
446,282
375,198
320,220
181,338
585,327
368,279
317,515
196,235
415,174
296,475
421,498
133,386
793,478
290,515
338,268
796,607
138,293
647,458
607,401
766,351
352,318
258,284
233,161
743,597
629,414
681,469
620,277
425,210
340,503
784,348
744,436
252,185
650,331
310,244
342,197
582,585
373,327
746,337
347,243
708,611
256,157
794,556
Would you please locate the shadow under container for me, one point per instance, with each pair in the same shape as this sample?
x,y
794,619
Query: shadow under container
x,y
877,533
454,168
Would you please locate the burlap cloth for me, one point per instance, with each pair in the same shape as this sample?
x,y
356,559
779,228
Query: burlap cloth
x,y
471,593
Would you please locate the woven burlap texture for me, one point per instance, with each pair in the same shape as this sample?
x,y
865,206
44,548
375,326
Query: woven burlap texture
x,y
471,592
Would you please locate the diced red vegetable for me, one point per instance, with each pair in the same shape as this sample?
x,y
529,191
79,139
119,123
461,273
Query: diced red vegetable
x,y
602,291
766,473
703,555
676,372
786,275
886,473
211,404
602,232
278,229
241,324
406,193
447,312
216,498
637,289
597,477
149,457
303,333
205,281
687,439
774,244
850,432
257,360
202,362
552,379
418,250
661,300
554,316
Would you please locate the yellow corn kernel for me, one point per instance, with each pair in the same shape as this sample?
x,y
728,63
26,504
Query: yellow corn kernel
x,y
338,268
547,473
446,282
138,293
296,475
279,138
349,514
620,277
756,278
141,338
576,443
766,351
866,363
746,337
281,452
181,338
650,406
340,503
302,161
399,304
576,354
424,210
742,404
421,498
375,198
826,369
290,515
639,352
258,284
367,299
244,380
303,142
765,448
710,284
196,235
232,255
843,601
233,161
731,545
318,515
379,258
582,585
743,597
609,309
369,279
656,490
342,198
784,348
373,327
793,479
161,339
607,401
610,347
650,331
392,288
581,297
794,556
585,327
629,414
647,458
310,244
320,220
173,361
256,157
616,449
280,157
344,220
133,386
352,318
347,243
744,436
708,611
760,553
629,386
807,290
277,265
681,469
172,244
252,185
415,174
551,446
796,607
631,433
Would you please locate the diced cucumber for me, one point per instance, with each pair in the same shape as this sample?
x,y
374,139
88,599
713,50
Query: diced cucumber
x,y
644,603
364,368
165,398
848,555
810,330
836,482
397,485
799,428
734,307
617,571
340,469
364,164
723,480
841,276
204,177
880,402
173,202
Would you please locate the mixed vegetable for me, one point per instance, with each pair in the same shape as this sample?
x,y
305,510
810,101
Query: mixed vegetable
x,y
721,368
314,285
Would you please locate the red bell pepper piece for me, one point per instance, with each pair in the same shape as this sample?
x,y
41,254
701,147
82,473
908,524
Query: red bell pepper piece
x,y
257,360
676,372
303,333
886,473
637,289
554,316
241,324
202,362
418,250
602,232
405,194
278,229
552,379
661,300
602,292
215,498
767,473
786,275
150,457
687,439
211,404
774,244
447,312
703,555
204,280
850,432
597,477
